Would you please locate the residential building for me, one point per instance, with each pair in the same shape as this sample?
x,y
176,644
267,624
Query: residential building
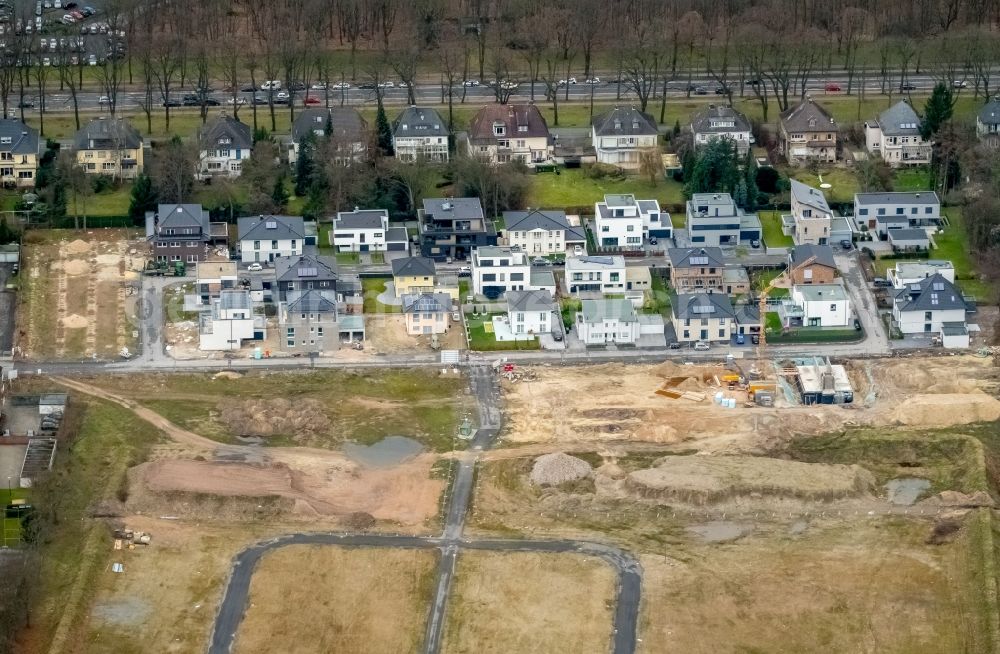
x,y
621,134
305,272
179,232
109,146
348,132
811,214
696,270
735,280
531,312
881,211
905,273
719,122
420,133
311,320
607,321
413,275
595,274
988,122
263,238
229,322
807,132
361,230
623,222
811,264
541,233
500,133
822,305
705,317
496,270
426,313
450,228
713,219
895,135
932,305
224,143
213,277
18,153
909,239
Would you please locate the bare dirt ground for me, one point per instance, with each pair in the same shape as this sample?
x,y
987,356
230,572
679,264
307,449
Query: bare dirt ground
x,y
78,299
315,599
387,334
528,602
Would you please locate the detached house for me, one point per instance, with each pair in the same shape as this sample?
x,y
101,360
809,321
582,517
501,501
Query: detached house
x,y
811,264
264,238
497,270
608,321
109,146
367,230
18,154
510,132
696,270
621,134
413,275
179,232
713,219
703,317
811,215
807,132
540,232
621,221
722,122
817,305
305,272
895,135
346,128
450,228
229,322
595,274
880,212
224,143
988,123
426,313
420,133
530,312
932,305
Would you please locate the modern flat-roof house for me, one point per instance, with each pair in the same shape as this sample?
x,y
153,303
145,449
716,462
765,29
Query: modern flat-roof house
x,y
224,143
263,238
109,146
496,270
881,211
348,132
419,133
820,305
229,322
811,264
531,312
705,317
932,306
541,232
213,277
905,273
807,132
179,232
500,133
621,221
713,219
811,215
426,314
361,230
18,154
718,122
607,321
696,270
450,228
909,239
988,122
621,134
895,135
594,274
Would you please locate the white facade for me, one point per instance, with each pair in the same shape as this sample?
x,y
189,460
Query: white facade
x,y
823,305
538,241
496,270
621,221
913,272
926,322
603,322
603,274
361,231
529,322
228,323
264,250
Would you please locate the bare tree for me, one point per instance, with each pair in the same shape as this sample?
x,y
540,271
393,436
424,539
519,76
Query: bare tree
x,y
69,62
550,78
405,63
453,62
166,61
642,64
386,11
503,77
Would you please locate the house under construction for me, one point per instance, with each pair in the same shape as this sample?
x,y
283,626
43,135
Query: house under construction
x,y
824,383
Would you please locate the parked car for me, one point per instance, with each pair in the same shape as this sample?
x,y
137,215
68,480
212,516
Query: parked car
x,y
88,11
881,282
296,86
755,339
701,345
249,88
755,243
675,346
540,261
557,336
271,85
255,267
857,325
578,251
846,243
832,87
740,339
281,96
465,271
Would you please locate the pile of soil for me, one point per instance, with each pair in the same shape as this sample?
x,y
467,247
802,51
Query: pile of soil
x,y
557,468
945,409
75,267
300,420
79,246
75,321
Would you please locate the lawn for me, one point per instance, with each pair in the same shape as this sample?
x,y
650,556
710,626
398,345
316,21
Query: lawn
x,y
770,221
483,341
572,188
568,307
372,288
759,279
911,179
657,300
807,334
348,258
113,202
953,245
843,182
323,238
11,534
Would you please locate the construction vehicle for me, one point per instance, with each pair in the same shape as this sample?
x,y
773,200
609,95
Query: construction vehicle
x,y
165,269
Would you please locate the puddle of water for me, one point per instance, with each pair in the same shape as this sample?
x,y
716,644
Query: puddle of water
x,y
389,451
798,527
905,490
719,531
128,612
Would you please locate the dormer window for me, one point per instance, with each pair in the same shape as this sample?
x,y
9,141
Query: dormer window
x,y
319,119
618,124
522,128
225,140
5,140
635,124
812,122
499,129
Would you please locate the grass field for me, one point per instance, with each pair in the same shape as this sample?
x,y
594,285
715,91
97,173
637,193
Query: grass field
x,y
10,528
770,221
481,338
372,288
572,188
113,202
370,600
844,184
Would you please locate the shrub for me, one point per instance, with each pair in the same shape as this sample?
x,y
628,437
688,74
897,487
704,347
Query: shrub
x,y
603,171
102,183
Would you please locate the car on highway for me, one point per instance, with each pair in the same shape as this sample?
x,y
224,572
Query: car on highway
x,y
255,267
367,86
388,84
722,90
172,103
570,81
592,80
340,86
700,90
959,84
908,86
311,100
27,104
470,82
318,86
296,86
832,87
249,88
236,101
104,100
271,85
753,81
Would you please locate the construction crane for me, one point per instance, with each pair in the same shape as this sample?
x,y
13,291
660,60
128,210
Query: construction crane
x,y
762,311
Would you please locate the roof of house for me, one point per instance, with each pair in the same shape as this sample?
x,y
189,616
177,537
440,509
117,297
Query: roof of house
x,y
809,196
23,139
695,257
823,253
608,309
347,123
702,305
225,126
899,120
413,267
396,235
107,133
542,278
426,303
623,121
595,261
820,292
711,121
807,116
529,301
304,267
526,221
897,197
311,301
177,216
927,268
362,219
934,293
271,228
908,234
735,274
747,314
234,299
419,121
519,121
440,208
989,114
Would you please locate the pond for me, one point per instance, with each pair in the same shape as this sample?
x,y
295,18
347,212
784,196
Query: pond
x,y
390,451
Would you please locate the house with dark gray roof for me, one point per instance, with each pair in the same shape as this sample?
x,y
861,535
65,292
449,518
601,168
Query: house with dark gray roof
x,y
420,133
807,132
499,133
224,143
264,238
621,134
426,313
811,217
542,232
931,306
367,230
607,321
179,232
881,211
811,264
312,320
451,228
18,154
708,317
696,270
531,312
909,239
109,146
895,135
717,122
347,130
305,272
988,122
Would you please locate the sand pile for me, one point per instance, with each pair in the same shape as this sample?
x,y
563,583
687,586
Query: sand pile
x,y
944,409
75,321
275,417
957,499
705,479
76,267
689,384
79,246
557,468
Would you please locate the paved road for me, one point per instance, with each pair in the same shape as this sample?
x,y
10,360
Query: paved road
x,y
863,301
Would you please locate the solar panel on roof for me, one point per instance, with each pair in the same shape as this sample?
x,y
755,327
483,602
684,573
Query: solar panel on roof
x,y
271,225
938,286
699,261
308,272
703,308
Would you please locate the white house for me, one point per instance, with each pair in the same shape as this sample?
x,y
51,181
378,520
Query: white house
x,y
822,305
714,219
496,270
361,230
718,122
530,312
263,238
881,211
229,322
419,133
597,274
621,221
600,322
911,272
224,143
541,233
621,134
426,313
932,306
895,135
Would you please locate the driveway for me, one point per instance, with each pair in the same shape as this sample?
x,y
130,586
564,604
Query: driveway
x,y
863,302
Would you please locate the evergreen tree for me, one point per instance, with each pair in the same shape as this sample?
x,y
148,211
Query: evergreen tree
x,y
383,131
260,134
144,197
677,127
750,182
305,165
715,169
740,193
937,111
279,194
7,235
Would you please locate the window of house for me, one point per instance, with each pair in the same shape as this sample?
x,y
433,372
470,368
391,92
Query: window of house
x,y
927,315
881,211
913,210
274,245
833,307
928,210
900,211
862,212
224,154
256,245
